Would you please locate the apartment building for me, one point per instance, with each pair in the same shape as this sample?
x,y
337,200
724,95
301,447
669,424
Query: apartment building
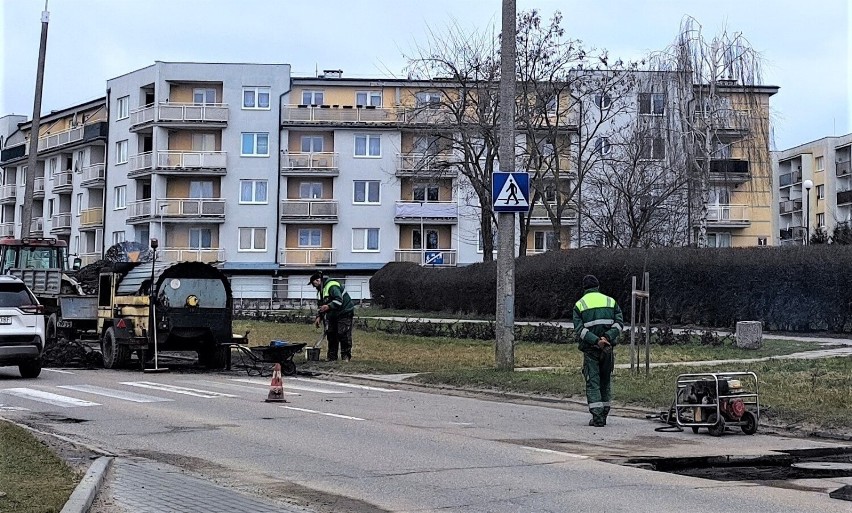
x,y
68,198
825,165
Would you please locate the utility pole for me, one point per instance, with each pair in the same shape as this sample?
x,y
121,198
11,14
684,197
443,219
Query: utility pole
x,y
504,350
32,160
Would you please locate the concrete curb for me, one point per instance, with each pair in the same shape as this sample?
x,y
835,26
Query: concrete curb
x,y
85,493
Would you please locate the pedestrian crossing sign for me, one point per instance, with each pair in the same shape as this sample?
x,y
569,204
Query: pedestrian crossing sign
x,y
510,192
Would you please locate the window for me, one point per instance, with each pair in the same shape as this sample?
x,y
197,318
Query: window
x,y
762,241
543,241
121,152
372,98
203,96
819,164
143,236
431,239
310,238
365,239
117,237
256,98
79,203
252,239
76,244
603,101
52,166
255,144
820,219
366,192
312,144
123,107
368,146
718,240
424,193
312,97
254,191
202,238
50,207
120,197
551,105
602,145
653,148
78,165
430,100
200,189
203,142
310,190
820,189
653,104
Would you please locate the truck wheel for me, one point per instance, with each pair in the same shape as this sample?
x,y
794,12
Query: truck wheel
x,y
30,369
50,331
214,357
115,354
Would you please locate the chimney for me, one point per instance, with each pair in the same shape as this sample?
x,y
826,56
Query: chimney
x,y
332,73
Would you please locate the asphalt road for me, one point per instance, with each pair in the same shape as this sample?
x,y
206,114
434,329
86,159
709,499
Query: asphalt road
x,y
387,447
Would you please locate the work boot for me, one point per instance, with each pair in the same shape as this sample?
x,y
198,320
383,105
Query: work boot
x,y
597,422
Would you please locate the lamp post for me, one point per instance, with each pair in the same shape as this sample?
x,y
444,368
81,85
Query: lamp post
x,y
808,184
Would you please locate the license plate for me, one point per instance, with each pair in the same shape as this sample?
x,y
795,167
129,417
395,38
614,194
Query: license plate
x,y
64,324
5,319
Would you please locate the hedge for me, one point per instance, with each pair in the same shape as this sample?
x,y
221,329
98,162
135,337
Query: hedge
x,y
802,288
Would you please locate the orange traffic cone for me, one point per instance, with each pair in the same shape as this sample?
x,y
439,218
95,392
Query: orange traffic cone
x,y
276,388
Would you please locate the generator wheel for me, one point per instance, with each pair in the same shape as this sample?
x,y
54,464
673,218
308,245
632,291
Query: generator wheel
x,y
750,426
50,331
718,426
115,354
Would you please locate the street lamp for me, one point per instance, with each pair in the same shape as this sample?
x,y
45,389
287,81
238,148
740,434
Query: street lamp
x,y
808,184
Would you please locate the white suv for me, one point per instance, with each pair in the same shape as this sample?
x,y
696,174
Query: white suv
x,y
21,327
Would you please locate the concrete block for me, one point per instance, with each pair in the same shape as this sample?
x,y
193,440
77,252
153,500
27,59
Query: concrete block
x,y
749,334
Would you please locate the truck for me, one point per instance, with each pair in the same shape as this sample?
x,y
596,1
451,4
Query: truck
x,y
135,306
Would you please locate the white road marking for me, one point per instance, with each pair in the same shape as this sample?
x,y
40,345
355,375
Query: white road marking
x,y
288,384
322,413
3,407
47,397
549,451
339,384
233,386
117,394
57,370
177,390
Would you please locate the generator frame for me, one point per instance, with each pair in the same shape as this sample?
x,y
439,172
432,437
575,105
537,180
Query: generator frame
x,y
716,421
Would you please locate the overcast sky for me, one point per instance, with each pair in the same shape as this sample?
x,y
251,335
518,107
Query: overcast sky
x,y
807,45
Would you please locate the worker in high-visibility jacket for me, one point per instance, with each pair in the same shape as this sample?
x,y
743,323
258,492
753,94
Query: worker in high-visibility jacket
x,y
597,323
336,307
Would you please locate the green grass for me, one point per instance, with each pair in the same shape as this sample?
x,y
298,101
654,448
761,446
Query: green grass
x,y
33,478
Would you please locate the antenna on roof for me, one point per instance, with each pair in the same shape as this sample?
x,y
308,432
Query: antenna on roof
x,y
316,69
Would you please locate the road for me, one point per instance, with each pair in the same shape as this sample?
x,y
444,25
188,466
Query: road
x,y
389,447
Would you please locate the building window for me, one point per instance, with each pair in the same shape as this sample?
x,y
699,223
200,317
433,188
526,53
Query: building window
x,y
652,104
428,100
252,239
200,189
123,107
256,98
121,152
763,241
50,208
201,238
118,237
820,219
424,193
365,239
602,145
543,241
143,236
718,240
310,238
820,189
819,164
203,96
312,97
310,190
603,101
431,239
52,166
368,146
255,144
79,203
653,148
366,192
312,143
371,98
254,192
120,195
78,164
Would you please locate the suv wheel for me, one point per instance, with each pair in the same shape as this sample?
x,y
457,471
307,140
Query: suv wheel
x,y
30,369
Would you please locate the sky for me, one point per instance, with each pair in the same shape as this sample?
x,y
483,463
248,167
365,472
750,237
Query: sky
x,y
806,45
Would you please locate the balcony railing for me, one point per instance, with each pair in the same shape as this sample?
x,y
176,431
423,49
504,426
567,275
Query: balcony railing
x,y
175,254
58,139
426,163
723,119
433,257
788,179
320,161
337,114
9,192
180,112
38,188
793,235
88,258
141,162
538,214
308,256
843,168
191,207
93,175
170,159
728,214
427,210
61,221
141,208
788,206
7,229
844,197
308,209
63,182
37,225
91,217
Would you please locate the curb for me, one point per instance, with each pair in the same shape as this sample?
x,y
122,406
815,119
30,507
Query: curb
x,y
85,493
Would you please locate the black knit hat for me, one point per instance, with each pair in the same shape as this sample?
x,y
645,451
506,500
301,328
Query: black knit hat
x,y
316,276
590,282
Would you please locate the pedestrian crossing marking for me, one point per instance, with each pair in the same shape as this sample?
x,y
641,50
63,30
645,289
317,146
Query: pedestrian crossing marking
x,y
348,385
116,394
175,389
234,386
288,384
322,413
3,407
47,397
511,194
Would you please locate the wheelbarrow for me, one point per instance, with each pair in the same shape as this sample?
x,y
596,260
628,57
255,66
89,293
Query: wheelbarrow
x,y
279,351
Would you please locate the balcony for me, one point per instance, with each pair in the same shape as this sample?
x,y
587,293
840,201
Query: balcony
x,y
728,216
723,120
793,236
308,211
538,215
93,176
63,183
307,257
89,132
88,258
192,160
8,193
844,197
38,188
788,179
296,115
789,206
191,209
91,218
843,168
207,255
430,257
309,164
139,211
428,164
180,114
140,164
7,229
433,212
733,171
36,225
60,223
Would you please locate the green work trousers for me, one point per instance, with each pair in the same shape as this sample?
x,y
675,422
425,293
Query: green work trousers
x,y
597,369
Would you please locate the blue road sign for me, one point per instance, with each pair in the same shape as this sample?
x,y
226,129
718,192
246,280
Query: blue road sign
x,y
510,192
434,258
